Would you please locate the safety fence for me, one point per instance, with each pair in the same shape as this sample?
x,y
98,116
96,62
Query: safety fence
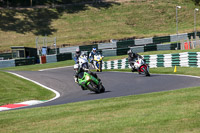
x,y
7,63
186,59
69,56
118,44
114,48
5,56
17,62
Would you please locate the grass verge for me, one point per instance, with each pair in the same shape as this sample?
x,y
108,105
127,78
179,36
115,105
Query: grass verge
x,y
14,89
172,111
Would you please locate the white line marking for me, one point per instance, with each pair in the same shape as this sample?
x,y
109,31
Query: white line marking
x,y
4,108
55,68
54,91
31,102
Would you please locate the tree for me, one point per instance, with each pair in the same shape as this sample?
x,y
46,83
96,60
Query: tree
x,y
196,2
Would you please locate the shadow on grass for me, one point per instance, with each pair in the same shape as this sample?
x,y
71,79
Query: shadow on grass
x,y
38,20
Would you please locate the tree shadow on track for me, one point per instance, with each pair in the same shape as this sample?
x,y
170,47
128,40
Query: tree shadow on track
x,y
39,20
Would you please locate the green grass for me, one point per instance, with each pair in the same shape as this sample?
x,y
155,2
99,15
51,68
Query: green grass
x,y
87,23
169,112
14,89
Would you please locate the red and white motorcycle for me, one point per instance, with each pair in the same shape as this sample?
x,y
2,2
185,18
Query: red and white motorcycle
x,y
141,66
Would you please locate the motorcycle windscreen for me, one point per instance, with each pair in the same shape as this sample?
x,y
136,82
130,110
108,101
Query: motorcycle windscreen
x,y
80,75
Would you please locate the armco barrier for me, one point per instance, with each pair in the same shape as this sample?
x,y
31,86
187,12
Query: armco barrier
x,y
190,35
173,46
150,48
122,51
68,49
88,47
6,56
143,41
129,43
53,51
175,38
23,62
163,47
125,44
7,63
186,59
109,52
107,46
64,56
51,58
162,39
137,49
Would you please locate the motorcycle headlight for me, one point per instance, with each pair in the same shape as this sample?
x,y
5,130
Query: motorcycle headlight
x,y
87,77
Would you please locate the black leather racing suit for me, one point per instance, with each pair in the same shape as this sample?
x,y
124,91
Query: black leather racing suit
x,y
132,58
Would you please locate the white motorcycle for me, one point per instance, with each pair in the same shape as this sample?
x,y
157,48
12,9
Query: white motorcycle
x,y
83,61
141,66
98,59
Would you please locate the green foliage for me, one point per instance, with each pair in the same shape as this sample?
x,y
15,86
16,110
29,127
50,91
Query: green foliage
x,y
196,2
25,3
84,24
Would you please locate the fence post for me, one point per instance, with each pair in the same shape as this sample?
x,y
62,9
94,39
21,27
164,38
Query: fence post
x,y
192,44
182,45
197,42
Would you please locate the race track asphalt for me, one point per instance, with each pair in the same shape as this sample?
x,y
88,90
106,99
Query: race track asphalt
x,y
116,84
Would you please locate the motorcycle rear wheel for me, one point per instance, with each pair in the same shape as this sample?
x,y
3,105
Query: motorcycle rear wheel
x,y
93,87
102,89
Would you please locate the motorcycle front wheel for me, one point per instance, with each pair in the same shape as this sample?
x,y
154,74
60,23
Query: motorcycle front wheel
x,y
100,66
145,72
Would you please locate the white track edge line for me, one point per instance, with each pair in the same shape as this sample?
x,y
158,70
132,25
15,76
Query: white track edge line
x,y
54,91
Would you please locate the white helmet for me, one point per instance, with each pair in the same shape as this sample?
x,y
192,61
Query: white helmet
x,y
77,50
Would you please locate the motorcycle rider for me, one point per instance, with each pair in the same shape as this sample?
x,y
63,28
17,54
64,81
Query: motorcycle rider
x,y
132,58
91,55
79,70
77,55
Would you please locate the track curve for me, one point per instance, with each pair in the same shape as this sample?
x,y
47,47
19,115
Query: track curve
x,y
116,84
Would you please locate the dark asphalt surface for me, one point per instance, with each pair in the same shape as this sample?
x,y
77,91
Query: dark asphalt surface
x,y
116,84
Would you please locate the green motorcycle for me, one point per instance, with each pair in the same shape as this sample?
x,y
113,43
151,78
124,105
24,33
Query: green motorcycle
x,y
89,82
